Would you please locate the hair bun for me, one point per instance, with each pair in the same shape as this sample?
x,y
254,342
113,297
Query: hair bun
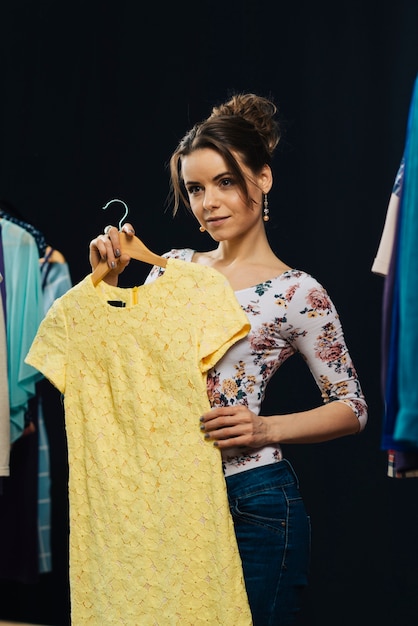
x,y
258,111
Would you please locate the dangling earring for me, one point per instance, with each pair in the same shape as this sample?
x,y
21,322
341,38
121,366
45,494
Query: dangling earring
x,y
266,209
202,229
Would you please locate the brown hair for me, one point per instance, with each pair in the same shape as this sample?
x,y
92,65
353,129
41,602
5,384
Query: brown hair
x,y
244,125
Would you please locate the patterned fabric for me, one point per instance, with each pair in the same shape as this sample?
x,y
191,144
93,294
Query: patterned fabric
x,y
289,314
44,496
55,281
151,537
402,464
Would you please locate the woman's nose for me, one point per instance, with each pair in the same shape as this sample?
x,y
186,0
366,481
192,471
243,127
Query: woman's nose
x,y
210,201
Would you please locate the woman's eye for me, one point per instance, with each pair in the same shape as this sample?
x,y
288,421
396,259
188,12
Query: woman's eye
x,y
227,182
193,190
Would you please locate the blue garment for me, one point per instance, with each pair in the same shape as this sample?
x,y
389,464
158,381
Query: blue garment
x,y
390,341
36,234
274,538
406,427
24,307
55,280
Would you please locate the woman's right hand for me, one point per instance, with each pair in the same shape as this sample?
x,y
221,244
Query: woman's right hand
x,y
106,247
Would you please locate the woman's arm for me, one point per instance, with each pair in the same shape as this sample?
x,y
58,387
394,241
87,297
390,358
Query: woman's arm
x,y
232,426
314,330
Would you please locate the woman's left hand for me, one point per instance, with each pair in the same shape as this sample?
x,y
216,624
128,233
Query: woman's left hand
x,y
231,426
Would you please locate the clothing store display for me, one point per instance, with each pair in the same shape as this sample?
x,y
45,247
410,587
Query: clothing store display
x,y
28,288
396,260
151,536
24,312
18,499
406,429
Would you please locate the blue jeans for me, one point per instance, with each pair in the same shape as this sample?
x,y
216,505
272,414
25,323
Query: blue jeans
x,y
274,538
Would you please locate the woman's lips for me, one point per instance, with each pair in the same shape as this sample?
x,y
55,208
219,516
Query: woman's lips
x,y
217,221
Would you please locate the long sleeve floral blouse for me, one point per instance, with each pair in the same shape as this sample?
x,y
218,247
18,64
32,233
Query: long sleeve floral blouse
x,y
290,313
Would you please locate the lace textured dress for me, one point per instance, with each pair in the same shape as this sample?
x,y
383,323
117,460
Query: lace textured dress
x,y
151,537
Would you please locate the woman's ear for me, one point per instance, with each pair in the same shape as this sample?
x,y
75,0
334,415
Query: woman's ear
x,y
266,179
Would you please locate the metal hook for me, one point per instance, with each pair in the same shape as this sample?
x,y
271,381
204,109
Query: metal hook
x,y
126,210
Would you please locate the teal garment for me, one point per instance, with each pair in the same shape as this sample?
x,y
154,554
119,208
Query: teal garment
x,y
406,427
24,308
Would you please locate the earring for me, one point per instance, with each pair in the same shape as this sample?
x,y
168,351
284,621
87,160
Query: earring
x,y
266,209
202,229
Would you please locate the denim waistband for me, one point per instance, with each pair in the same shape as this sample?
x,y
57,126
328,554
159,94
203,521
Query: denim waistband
x,y
272,475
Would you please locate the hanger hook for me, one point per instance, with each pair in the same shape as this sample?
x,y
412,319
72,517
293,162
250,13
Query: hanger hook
x,y
126,210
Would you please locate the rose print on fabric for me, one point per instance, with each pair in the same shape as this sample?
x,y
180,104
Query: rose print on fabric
x,y
318,302
329,349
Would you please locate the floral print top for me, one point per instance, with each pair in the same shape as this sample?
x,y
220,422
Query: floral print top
x,y
289,313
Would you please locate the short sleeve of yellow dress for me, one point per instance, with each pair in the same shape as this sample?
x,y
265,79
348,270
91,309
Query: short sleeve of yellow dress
x,y
151,537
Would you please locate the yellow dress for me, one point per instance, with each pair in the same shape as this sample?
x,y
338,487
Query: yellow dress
x,y
151,538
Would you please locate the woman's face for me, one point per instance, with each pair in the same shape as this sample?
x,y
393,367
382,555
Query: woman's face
x,y
215,197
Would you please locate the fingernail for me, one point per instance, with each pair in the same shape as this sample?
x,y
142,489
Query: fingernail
x,y
202,427
117,252
113,265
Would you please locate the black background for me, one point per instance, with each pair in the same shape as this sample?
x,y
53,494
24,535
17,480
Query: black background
x,y
95,96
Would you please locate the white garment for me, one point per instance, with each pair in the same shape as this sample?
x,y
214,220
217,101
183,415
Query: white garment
x,y
385,250
384,253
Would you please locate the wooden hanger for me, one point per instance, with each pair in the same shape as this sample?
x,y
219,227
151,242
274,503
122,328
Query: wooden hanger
x,y
132,246
135,249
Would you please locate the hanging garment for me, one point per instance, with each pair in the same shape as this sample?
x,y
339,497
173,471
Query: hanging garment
x,y
151,536
396,260
4,379
24,312
2,279
4,401
18,502
387,242
55,281
406,428
8,214
386,262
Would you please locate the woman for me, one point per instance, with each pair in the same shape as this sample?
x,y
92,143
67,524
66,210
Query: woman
x,y
221,170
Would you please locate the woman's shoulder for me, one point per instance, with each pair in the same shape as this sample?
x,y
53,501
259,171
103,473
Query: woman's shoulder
x,y
294,277
302,287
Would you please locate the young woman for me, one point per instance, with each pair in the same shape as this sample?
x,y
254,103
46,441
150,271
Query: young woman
x,y
221,170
